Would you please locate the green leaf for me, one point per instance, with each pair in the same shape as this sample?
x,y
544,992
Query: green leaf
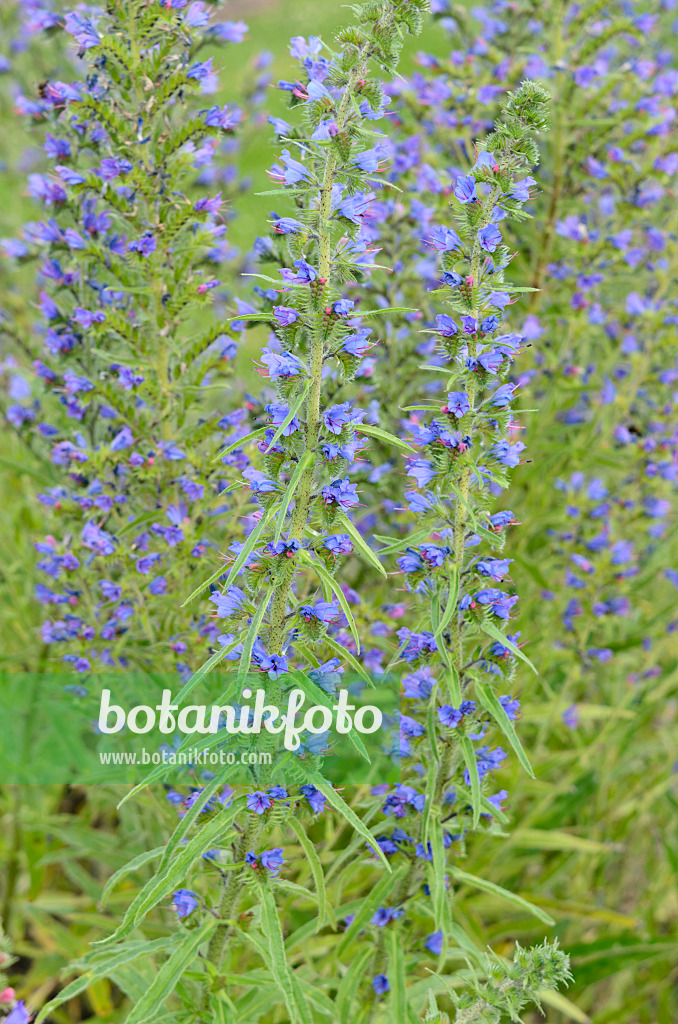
x,y
346,655
263,317
129,869
372,901
325,912
330,581
308,458
451,676
438,870
307,654
248,643
411,540
398,994
237,444
294,1000
363,546
164,882
557,1001
290,415
243,554
498,890
387,309
170,975
383,435
103,969
552,839
317,695
189,818
160,770
451,605
350,986
489,701
215,576
489,627
346,812
469,755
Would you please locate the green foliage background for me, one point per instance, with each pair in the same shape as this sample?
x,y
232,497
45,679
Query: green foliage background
x,y
594,839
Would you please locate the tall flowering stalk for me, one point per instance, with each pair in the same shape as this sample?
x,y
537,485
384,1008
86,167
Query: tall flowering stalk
x,y
282,604
304,491
127,345
590,563
461,645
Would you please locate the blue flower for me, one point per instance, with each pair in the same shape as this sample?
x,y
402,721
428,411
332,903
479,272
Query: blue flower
x,y
82,29
184,901
434,943
305,273
446,325
369,160
294,171
18,1014
380,984
465,189
489,238
511,706
449,716
458,403
229,603
315,798
272,860
278,414
340,492
282,364
285,316
286,225
384,916
444,239
144,245
259,802
339,416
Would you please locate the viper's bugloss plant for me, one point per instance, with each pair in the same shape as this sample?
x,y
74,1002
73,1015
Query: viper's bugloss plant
x,y
129,347
281,598
596,565
343,910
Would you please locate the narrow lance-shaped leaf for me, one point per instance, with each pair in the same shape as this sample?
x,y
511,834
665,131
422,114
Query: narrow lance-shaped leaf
x,y
281,513
330,581
469,756
128,869
451,604
362,545
325,911
498,890
384,435
489,627
237,444
349,814
398,995
294,1000
290,415
491,704
169,975
103,969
